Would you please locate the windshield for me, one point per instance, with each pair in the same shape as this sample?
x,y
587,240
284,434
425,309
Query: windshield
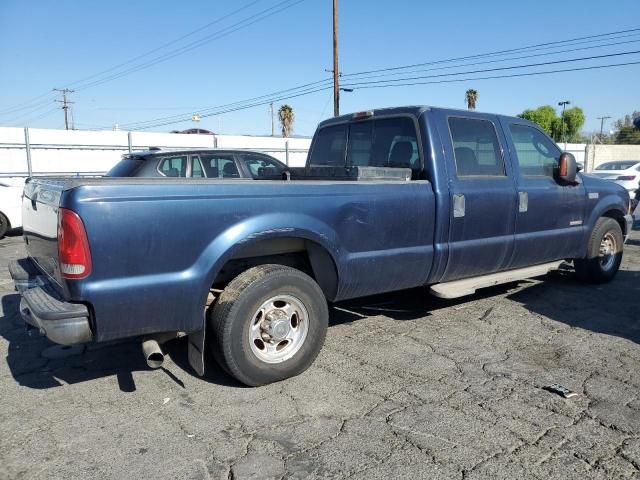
x,y
617,165
125,168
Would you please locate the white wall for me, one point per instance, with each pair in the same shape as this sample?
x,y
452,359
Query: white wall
x,y
598,154
79,152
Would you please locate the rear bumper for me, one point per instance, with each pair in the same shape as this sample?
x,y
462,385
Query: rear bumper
x,y
41,307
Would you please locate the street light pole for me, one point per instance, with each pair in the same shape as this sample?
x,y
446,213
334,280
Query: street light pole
x,y
563,104
336,70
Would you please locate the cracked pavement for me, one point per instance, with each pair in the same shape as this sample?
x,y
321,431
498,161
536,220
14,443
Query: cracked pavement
x,y
407,386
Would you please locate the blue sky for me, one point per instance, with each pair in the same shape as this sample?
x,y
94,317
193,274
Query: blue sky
x,y
46,44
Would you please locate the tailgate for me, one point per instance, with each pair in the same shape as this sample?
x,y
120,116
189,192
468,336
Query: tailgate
x,y
40,223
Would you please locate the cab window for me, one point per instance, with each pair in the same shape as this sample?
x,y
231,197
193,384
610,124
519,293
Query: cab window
x,y
329,146
384,142
537,155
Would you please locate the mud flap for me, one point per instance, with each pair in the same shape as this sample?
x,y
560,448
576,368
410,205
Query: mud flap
x,y
196,351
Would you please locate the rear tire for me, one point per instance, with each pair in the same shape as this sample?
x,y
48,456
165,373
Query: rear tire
x,y
604,252
268,324
4,225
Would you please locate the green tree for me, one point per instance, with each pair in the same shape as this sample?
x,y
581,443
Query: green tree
x,y
628,136
543,116
471,97
573,122
627,133
550,122
286,116
626,121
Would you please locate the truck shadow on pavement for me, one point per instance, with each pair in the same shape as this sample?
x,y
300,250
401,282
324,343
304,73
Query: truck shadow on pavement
x,y
610,309
120,359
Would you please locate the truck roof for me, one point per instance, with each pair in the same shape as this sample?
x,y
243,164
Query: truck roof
x,y
415,110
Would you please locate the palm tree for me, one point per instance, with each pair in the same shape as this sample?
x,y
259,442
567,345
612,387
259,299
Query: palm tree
x,y
471,97
286,116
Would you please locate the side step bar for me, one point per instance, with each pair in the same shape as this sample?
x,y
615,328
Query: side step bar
x,y
468,286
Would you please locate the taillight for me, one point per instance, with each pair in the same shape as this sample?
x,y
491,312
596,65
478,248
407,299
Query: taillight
x,y
73,247
626,177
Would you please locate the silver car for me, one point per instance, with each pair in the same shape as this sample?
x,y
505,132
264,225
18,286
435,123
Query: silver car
x,y
623,172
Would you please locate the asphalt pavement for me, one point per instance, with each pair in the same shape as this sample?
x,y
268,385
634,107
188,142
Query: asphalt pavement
x,y
407,386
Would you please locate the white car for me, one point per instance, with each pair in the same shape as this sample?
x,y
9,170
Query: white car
x,y
623,172
10,204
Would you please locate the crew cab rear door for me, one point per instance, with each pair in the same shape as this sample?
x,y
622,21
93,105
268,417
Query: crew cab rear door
x,y
549,221
482,194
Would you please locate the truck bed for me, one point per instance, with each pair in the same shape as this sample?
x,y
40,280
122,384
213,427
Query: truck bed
x,y
158,244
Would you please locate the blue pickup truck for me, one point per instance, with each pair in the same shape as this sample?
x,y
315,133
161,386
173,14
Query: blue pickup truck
x,y
390,199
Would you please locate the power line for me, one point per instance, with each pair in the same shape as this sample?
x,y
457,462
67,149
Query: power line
x,y
164,45
593,57
29,103
191,46
494,53
575,69
242,107
215,107
179,117
466,64
455,80
45,114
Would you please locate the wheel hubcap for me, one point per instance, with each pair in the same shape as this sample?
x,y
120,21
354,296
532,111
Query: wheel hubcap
x,y
608,250
278,329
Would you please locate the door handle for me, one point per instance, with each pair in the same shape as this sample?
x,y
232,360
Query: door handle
x,y
523,201
458,205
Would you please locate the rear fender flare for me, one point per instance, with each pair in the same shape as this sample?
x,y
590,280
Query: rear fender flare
x,y
225,245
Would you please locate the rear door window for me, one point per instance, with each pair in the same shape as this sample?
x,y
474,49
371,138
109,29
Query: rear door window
x,y
173,166
476,148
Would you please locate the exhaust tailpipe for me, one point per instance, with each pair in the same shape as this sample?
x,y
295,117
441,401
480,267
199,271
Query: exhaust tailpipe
x,y
152,353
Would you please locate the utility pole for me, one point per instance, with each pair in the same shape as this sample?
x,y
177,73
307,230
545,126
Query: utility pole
x,y
563,104
273,125
336,69
602,119
65,104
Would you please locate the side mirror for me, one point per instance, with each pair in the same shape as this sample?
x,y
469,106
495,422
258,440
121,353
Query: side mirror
x,y
567,168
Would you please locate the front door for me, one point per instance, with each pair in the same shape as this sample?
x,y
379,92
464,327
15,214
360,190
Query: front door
x,y
483,196
549,222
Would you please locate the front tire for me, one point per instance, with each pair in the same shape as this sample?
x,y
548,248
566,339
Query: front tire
x,y
604,252
268,324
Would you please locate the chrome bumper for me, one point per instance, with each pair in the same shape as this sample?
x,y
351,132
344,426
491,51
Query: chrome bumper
x,y
42,307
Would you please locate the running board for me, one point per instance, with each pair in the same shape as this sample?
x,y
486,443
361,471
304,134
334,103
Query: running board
x,y
468,286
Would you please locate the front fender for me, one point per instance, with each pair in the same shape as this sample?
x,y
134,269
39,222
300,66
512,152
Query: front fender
x,y
605,204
